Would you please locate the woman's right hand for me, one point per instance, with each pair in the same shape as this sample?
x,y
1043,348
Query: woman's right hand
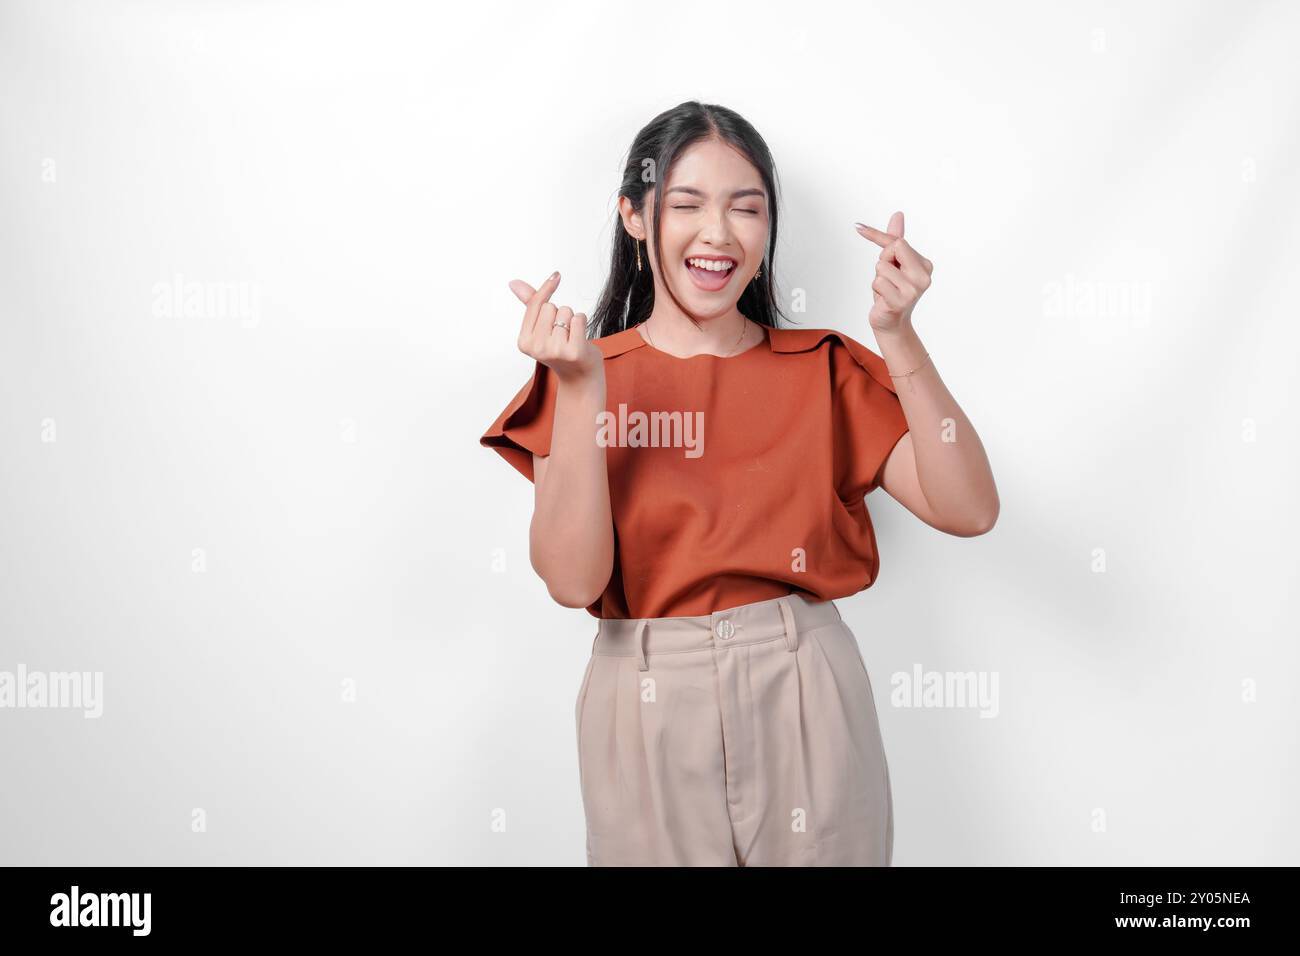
x,y
566,351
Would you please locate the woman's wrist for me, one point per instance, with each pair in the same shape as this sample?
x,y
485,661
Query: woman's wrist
x,y
582,395
901,348
583,382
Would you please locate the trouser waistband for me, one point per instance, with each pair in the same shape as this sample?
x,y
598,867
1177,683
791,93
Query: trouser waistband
x,y
783,617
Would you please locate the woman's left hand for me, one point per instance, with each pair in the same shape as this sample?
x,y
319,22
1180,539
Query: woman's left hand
x,y
902,276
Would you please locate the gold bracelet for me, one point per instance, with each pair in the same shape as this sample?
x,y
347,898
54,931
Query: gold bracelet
x,y
917,369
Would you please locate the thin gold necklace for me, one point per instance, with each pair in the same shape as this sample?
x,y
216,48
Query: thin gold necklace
x,y
744,327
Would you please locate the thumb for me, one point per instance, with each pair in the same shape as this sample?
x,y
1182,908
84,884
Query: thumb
x,y
896,225
522,290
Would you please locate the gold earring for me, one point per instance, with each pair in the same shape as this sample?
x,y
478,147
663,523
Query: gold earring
x,y
638,255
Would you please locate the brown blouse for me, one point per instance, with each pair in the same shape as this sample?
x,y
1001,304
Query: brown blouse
x,y
751,482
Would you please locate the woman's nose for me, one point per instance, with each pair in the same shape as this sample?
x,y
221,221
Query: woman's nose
x,y
716,227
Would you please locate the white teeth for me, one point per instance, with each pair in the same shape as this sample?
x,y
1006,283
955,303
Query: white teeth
x,y
711,265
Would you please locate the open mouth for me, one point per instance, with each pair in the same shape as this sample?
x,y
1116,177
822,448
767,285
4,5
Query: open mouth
x,y
710,273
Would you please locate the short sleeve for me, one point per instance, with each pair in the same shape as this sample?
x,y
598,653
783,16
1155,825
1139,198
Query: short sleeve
x,y
523,428
868,417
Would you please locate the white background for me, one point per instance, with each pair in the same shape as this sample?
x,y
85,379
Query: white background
x,y
377,172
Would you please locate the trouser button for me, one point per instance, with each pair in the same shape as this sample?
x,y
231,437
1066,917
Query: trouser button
x,y
726,629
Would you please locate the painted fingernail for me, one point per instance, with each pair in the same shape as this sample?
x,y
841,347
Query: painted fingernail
x,y
860,225
554,275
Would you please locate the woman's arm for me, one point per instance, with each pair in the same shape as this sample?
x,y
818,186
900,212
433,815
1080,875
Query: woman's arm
x,y
571,539
938,470
571,536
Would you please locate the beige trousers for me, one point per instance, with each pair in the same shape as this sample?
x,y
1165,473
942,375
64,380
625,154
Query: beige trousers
x,y
746,737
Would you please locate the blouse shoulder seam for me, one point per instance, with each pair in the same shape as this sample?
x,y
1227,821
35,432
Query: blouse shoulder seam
x,y
612,346
806,340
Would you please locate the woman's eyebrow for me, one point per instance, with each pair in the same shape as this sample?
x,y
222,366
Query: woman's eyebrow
x,y
696,192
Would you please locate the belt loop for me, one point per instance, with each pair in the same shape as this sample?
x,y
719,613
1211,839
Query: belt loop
x,y
791,633
640,644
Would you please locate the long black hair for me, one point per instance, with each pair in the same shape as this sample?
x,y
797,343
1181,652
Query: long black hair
x,y
629,293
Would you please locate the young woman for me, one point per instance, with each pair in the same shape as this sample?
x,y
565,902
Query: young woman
x,y
700,476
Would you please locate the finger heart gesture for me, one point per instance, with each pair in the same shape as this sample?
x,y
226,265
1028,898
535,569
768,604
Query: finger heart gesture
x,y
556,336
902,275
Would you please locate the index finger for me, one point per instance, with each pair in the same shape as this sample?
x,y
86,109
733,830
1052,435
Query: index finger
x,y
911,261
537,299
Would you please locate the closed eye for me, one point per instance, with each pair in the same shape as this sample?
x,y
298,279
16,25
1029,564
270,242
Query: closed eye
x,y
752,212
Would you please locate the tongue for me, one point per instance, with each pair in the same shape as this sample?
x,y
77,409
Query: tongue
x,y
708,278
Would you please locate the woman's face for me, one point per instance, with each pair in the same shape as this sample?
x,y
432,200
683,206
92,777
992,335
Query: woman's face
x,y
715,225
